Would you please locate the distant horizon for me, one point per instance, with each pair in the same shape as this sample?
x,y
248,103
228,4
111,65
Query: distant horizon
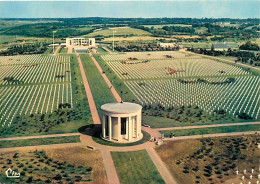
x,y
125,18
130,9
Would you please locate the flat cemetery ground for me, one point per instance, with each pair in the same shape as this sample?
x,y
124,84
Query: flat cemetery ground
x,y
212,160
136,167
61,165
184,89
40,95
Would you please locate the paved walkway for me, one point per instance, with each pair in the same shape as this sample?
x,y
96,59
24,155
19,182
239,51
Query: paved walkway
x,y
116,95
110,167
166,175
57,50
91,101
70,50
207,126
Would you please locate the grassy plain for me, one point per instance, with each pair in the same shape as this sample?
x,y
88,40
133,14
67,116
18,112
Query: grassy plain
x,y
63,50
40,141
163,122
214,130
118,32
98,86
136,167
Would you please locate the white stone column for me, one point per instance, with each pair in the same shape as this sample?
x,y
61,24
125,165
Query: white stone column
x,y
137,126
104,126
129,128
110,128
134,125
119,128
126,127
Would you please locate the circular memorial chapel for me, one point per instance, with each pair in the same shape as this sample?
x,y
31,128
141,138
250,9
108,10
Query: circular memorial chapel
x,y
121,122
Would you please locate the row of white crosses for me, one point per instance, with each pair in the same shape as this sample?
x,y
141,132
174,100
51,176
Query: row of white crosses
x,y
174,68
37,74
31,59
250,176
18,100
144,55
237,97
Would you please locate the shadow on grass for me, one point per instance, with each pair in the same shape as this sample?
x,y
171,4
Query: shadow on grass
x,y
89,129
96,137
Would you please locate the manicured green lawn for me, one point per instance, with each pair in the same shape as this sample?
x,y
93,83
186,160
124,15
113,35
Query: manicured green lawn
x,y
136,167
101,50
201,131
100,91
114,79
98,139
63,50
41,141
163,122
49,51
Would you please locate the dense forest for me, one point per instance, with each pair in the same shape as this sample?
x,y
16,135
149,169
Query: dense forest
x,y
37,48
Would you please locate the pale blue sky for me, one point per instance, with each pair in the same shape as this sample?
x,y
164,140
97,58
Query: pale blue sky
x,y
64,9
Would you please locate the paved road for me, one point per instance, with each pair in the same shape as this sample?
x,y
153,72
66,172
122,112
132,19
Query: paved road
x,y
91,101
38,136
116,95
207,126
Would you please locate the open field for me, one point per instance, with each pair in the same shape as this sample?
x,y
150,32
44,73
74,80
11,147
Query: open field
x,y
160,26
178,79
7,39
41,141
212,160
136,167
215,130
36,90
132,38
63,50
119,32
54,165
